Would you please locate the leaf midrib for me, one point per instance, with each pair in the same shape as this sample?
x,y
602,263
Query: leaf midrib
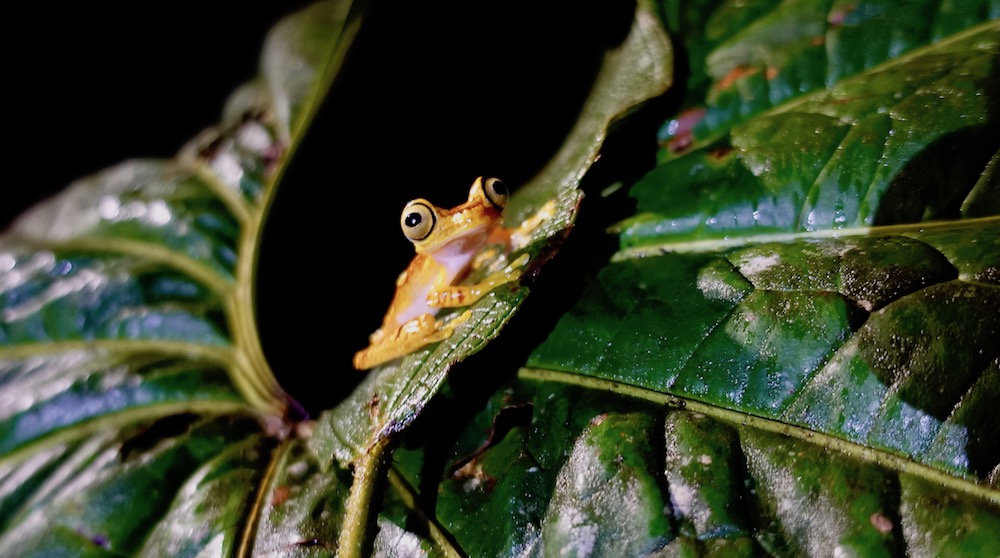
x,y
792,103
854,450
117,420
717,244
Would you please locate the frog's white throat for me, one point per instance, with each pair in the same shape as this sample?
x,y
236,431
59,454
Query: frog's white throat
x,y
456,255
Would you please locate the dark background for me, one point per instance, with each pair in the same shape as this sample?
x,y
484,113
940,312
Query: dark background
x,y
88,85
431,97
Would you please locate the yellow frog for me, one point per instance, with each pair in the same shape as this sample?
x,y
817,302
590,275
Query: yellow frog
x,y
446,242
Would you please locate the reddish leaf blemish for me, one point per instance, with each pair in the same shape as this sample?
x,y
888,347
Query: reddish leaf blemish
x,y
473,471
373,406
720,153
735,75
680,129
680,144
310,543
881,523
280,495
211,147
508,417
837,17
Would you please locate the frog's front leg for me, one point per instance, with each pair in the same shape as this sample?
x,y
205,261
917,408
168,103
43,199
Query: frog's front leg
x,y
516,238
408,337
453,296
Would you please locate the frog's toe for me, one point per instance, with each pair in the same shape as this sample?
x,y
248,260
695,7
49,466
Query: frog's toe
x,y
519,262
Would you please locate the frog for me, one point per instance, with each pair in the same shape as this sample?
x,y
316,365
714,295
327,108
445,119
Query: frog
x,y
449,244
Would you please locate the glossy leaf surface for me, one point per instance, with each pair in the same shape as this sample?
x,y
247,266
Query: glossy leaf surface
x,y
847,337
132,377
793,353
822,265
859,153
747,58
137,413
392,395
599,473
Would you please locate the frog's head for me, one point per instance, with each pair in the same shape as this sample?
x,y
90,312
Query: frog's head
x,y
463,228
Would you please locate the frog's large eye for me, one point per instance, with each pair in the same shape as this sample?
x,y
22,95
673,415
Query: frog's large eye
x,y
496,192
417,220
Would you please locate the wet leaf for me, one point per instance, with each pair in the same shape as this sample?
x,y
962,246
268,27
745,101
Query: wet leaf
x,y
137,413
696,482
845,336
746,58
816,273
74,507
901,142
792,354
132,375
393,395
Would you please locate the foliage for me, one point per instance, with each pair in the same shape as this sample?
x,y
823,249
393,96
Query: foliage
x,y
792,352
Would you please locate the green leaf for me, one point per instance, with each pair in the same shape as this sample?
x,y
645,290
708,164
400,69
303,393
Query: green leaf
x,y
360,430
128,323
137,413
856,154
792,354
74,507
515,475
844,336
605,497
392,395
693,481
152,261
302,506
759,55
823,265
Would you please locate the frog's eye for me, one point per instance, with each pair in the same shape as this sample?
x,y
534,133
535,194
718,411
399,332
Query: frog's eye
x,y
496,192
417,220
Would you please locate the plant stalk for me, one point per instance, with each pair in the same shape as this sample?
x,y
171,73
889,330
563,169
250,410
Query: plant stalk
x,y
368,474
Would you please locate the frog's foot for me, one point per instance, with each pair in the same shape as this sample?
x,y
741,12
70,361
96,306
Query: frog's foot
x,y
376,337
521,236
464,295
491,255
410,336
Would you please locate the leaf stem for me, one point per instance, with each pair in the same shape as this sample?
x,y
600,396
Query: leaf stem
x,y
354,541
256,510
445,546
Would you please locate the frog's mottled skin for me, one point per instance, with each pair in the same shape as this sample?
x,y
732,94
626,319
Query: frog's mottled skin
x,y
446,242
